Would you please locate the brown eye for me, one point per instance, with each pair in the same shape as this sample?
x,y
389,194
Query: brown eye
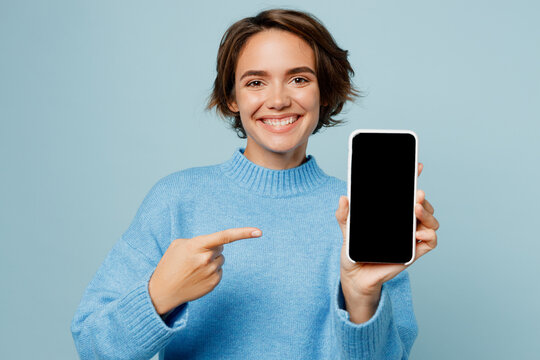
x,y
254,83
300,80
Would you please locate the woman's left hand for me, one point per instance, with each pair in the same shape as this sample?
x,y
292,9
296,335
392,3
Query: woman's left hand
x,y
362,282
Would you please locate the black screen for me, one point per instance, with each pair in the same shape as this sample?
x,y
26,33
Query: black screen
x,y
382,190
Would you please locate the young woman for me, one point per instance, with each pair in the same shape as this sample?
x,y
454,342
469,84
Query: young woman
x,y
287,289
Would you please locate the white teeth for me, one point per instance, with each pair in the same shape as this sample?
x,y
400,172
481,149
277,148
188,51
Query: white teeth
x,y
281,122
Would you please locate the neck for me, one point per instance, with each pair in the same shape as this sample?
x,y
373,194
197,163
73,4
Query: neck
x,y
275,160
271,182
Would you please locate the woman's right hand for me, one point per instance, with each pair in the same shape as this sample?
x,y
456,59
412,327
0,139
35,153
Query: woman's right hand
x,y
191,268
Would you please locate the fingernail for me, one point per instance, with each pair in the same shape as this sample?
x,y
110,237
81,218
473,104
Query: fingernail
x,y
256,233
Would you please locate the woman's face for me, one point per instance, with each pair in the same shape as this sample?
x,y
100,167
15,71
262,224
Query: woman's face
x,y
277,95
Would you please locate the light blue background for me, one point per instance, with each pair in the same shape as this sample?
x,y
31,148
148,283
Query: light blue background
x,y
100,99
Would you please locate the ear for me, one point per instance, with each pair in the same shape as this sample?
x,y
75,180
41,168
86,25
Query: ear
x,y
324,103
233,106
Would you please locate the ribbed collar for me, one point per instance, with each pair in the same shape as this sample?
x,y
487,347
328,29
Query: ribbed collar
x,y
273,183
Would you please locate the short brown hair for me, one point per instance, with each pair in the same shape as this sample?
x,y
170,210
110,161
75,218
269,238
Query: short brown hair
x,y
333,70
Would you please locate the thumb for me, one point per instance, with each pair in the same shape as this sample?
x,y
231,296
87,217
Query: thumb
x,y
341,215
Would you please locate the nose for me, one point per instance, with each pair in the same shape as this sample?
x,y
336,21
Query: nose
x,y
278,98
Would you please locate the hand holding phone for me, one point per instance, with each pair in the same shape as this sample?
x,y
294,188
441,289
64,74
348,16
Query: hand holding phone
x,y
361,282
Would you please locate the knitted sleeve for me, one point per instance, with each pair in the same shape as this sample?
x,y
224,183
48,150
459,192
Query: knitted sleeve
x,y
116,318
389,334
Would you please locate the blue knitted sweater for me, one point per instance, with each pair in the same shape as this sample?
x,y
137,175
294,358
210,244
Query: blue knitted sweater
x,y
280,295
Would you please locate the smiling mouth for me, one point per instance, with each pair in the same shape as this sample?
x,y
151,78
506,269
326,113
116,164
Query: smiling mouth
x,y
281,122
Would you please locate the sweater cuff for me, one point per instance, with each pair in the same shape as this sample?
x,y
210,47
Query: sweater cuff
x,y
363,340
144,323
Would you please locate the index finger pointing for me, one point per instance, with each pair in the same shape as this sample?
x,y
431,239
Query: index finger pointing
x,y
227,236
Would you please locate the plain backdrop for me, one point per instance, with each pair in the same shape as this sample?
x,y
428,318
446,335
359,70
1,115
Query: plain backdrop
x,y
100,99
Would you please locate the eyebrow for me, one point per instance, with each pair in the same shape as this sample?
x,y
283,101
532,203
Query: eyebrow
x,y
296,70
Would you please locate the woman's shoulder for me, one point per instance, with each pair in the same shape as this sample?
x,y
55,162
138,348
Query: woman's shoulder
x,y
193,174
185,181
336,185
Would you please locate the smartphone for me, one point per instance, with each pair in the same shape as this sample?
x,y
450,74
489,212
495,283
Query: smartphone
x,y
383,168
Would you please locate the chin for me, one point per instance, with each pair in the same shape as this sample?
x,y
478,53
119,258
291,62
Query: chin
x,y
282,148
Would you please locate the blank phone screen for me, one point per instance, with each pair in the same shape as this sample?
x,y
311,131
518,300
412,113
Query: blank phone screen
x,y
382,193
